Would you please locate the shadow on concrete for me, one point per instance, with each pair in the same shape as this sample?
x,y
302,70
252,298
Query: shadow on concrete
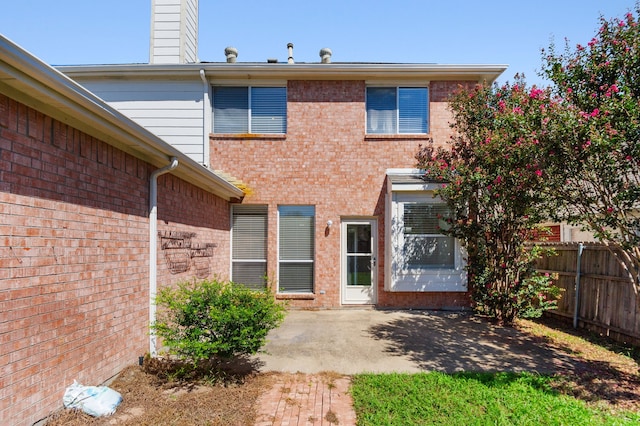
x,y
459,341
356,341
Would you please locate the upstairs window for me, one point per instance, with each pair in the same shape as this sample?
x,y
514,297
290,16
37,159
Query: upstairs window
x,y
249,109
393,110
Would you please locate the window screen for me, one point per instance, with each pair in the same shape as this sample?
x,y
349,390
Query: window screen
x,y
424,244
296,249
249,110
393,110
249,246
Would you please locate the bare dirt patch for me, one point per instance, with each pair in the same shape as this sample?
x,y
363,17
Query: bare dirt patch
x,y
608,374
160,394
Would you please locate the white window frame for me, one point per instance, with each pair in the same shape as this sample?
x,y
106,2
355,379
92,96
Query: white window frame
x,y
398,277
300,260
251,118
258,210
397,120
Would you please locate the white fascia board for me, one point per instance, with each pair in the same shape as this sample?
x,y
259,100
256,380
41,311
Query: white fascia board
x,y
299,71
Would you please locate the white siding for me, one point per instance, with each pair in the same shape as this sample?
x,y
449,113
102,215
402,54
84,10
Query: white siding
x,y
174,32
172,110
190,28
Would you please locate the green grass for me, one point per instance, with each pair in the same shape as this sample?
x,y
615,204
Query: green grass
x,y
472,399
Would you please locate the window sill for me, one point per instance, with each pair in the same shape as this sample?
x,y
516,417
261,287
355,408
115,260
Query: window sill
x,y
394,136
247,135
295,296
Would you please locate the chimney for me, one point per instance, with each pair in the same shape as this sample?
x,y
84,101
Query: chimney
x,y
174,32
290,49
231,53
325,55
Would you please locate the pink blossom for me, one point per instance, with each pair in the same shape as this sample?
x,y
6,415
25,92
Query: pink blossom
x,y
595,112
539,172
498,180
609,210
535,93
517,110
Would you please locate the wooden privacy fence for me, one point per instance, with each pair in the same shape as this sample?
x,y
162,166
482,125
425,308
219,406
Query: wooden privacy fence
x,y
606,301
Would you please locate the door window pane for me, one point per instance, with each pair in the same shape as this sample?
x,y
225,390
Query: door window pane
x,y
359,254
358,270
358,238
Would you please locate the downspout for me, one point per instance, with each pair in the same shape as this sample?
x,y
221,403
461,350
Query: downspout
x,y
576,307
153,247
206,119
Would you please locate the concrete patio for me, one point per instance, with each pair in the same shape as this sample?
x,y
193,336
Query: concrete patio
x,y
351,341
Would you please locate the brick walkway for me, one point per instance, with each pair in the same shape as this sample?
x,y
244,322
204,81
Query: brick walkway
x,y
307,399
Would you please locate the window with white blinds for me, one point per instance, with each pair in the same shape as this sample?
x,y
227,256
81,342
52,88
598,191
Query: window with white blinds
x,y
392,110
425,246
249,245
296,249
249,109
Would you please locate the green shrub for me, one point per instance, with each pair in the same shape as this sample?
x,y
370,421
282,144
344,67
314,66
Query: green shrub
x,y
201,320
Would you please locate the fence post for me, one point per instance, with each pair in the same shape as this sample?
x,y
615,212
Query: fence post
x,y
576,309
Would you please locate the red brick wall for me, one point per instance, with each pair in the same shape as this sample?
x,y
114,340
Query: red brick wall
x,y
326,160
74,257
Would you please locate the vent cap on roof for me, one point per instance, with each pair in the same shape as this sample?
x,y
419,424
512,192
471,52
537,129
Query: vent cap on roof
x,y
231,53
325,55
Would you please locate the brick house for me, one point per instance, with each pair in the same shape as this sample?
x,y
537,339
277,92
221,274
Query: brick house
x,y
80,230
335,215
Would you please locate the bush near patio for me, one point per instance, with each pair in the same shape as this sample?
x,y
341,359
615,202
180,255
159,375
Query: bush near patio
x,y
495,178
204,320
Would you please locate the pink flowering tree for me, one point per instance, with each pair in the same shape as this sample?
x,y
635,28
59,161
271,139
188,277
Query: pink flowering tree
x,y
599,85
495,174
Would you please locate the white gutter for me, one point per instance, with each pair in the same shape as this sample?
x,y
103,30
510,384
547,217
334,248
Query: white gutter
x,y
153,249
206,119
299,71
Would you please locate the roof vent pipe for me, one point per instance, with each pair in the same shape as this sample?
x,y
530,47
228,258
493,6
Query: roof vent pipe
x,y
325,55
231,53
290,48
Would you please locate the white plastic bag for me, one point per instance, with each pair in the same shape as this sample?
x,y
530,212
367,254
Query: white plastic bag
x,y
94,400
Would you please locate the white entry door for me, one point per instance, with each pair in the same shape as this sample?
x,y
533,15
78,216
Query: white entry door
x,y
359,261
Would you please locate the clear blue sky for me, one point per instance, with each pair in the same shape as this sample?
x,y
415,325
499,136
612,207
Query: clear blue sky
x,y
70,32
